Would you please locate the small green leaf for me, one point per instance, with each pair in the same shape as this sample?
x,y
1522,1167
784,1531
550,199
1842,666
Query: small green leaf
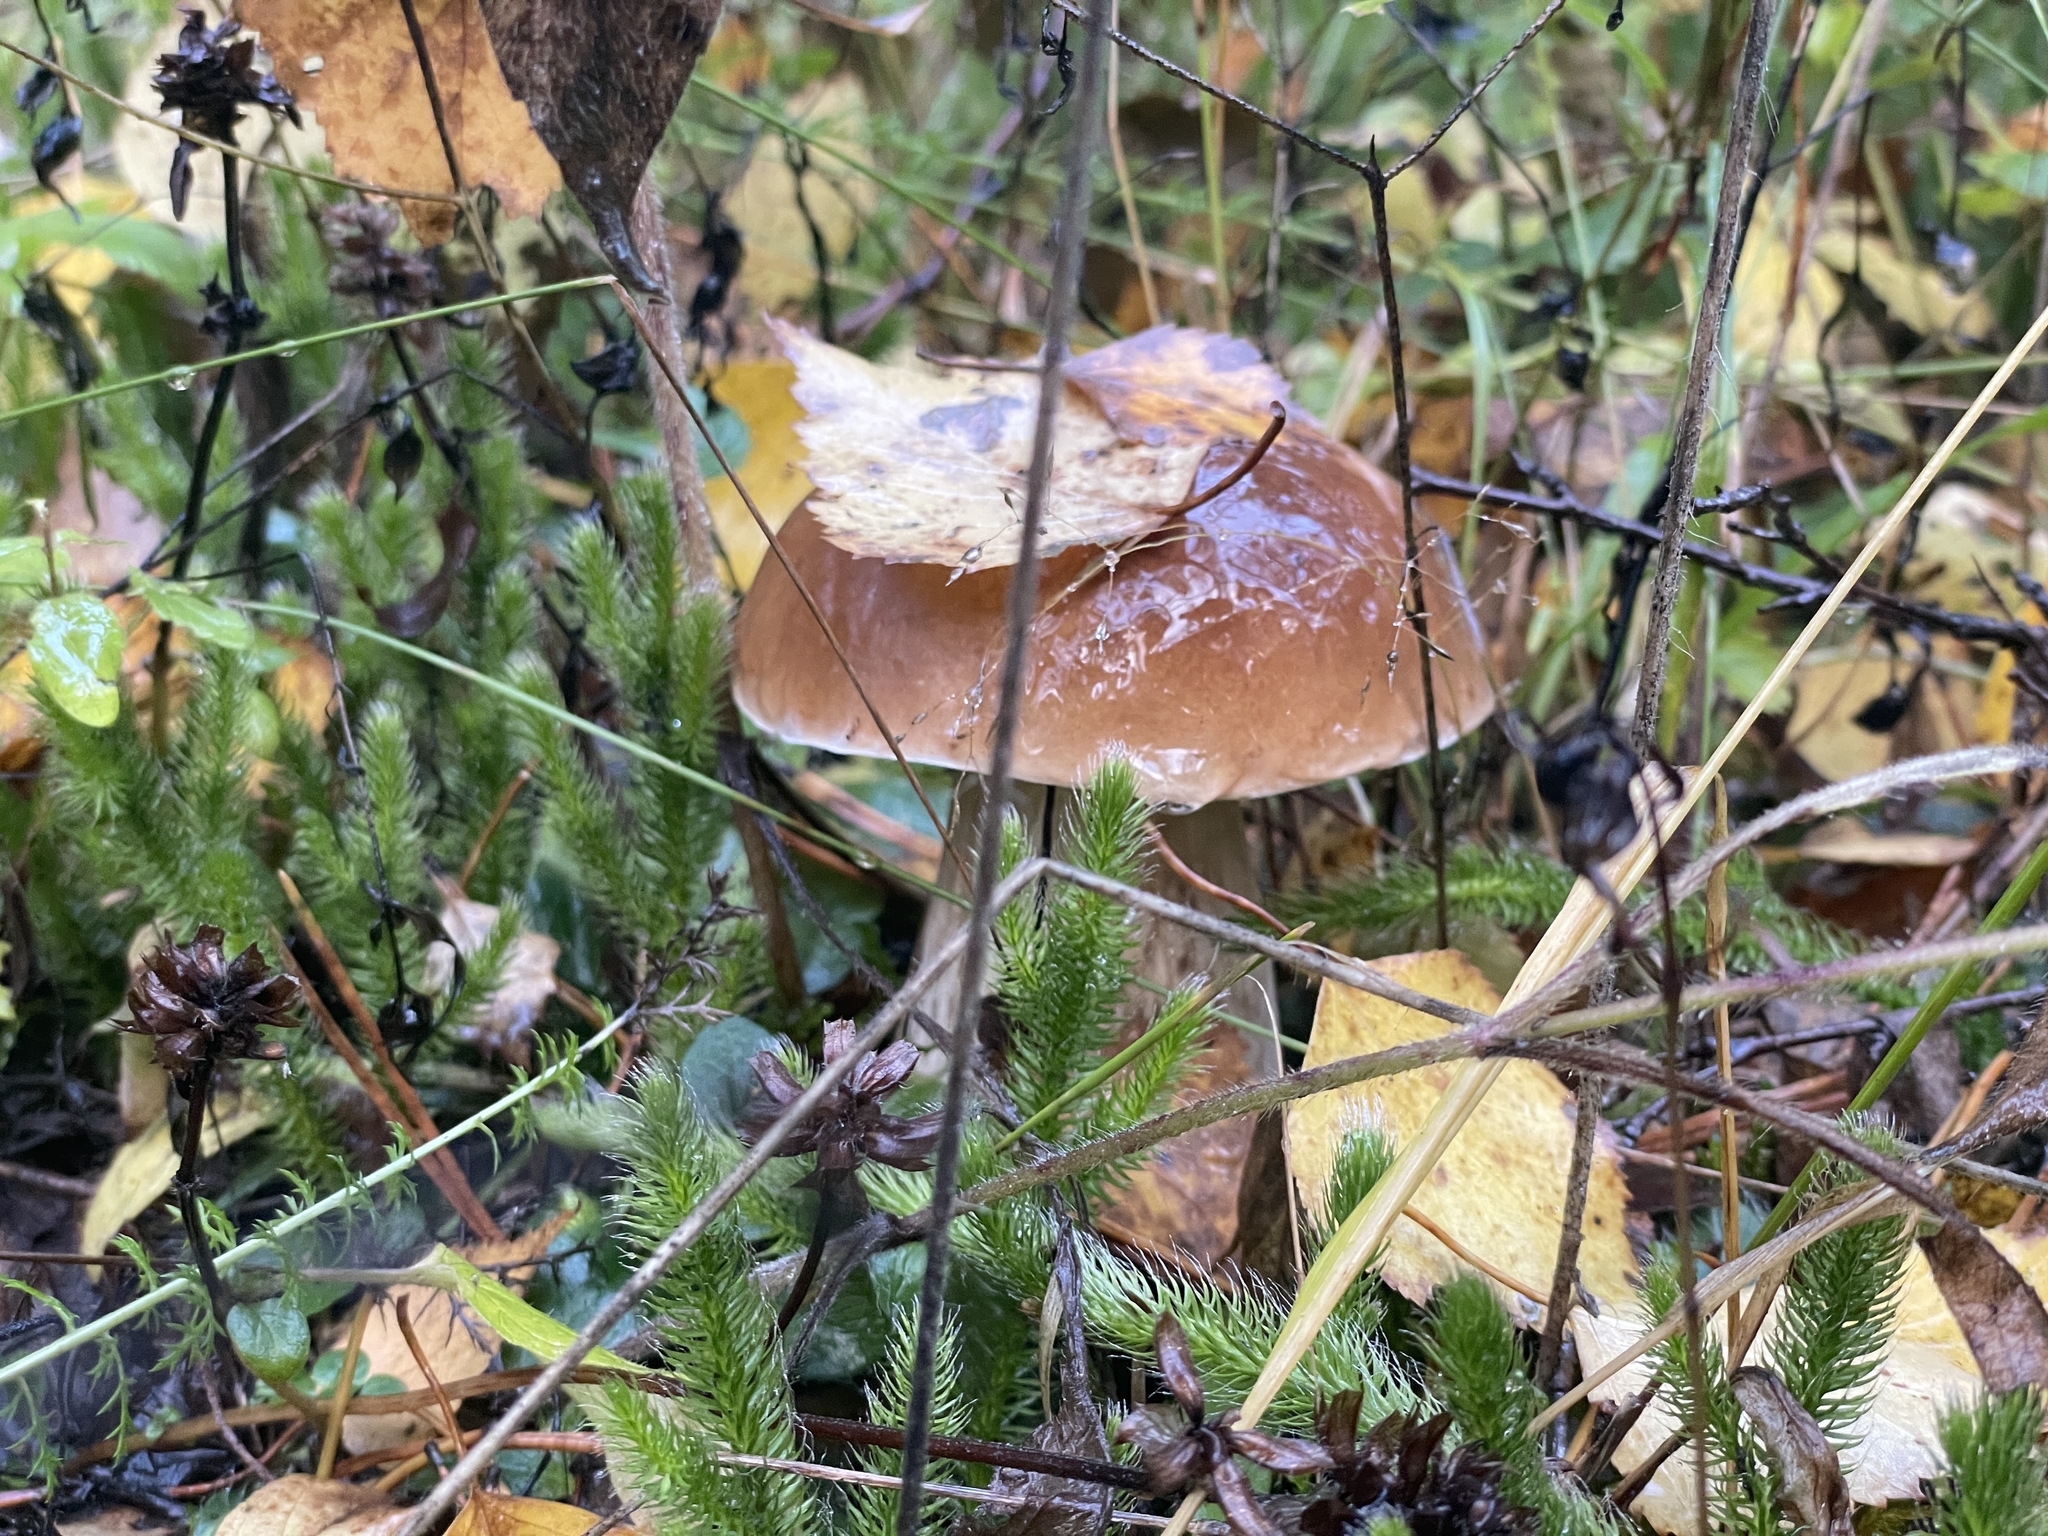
x,y
209,620
271,1337
25,562
76,652
1366,7
516,1321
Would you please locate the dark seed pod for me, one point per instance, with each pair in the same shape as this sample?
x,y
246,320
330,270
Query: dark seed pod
x,y
1586,776
1615,18
403,455
228,314
57,143
199,1005
35,91
1886,710
1572,363
613,370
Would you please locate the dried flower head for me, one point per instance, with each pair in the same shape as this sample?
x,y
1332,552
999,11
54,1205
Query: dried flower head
x,y
209,78
1183,1449
1397,1471
367,265
200,1005
850,1126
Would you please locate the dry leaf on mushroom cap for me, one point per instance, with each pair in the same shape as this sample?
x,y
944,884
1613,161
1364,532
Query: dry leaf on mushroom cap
x,y
1500,1188
1252,645
928,464
351,62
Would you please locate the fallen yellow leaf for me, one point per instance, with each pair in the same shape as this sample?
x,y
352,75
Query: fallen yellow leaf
x,y
495,1514
141,1171
1499,1190
351,63
782,263
758,392
1926,1370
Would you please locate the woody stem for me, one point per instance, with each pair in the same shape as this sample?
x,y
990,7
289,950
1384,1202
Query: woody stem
x,y
185,1186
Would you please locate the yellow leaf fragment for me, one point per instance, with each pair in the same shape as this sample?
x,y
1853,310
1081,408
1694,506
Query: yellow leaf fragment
x,y
1926,1370
496,1514
758,392
924,464
141,1171
351,62
782,260
1499,1189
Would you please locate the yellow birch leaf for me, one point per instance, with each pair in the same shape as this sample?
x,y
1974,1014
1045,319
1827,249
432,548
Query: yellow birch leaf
x,y
497,1514
1499,1190
299,1505
758,392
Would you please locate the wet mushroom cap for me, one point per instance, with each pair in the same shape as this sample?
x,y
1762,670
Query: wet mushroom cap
x,y
1242,650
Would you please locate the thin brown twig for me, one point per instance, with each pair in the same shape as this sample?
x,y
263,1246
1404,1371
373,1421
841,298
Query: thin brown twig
x,y
1412,598
1472,96
463,1198
402,1307
1564,1276
1691,425
344,1389
1022,603
1209,888
437,1165
490,829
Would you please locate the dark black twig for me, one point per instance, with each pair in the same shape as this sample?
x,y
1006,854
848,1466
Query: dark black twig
x,y
1022,605
1472,96
1706,344
1802,590
1411,591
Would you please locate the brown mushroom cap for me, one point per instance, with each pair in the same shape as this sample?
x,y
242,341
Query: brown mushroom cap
x,y
1243,650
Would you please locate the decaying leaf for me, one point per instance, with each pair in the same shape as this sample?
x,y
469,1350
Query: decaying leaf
x,y
1809,1472
525,983
298,1505
1500,1188
351,62
457,1341
497,1514
928,465
1847,841
1058,1506
1926,1370
780,244
601,79
1998,1311
142,1170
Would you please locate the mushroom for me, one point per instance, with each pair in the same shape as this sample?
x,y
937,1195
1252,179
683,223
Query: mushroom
x,y
1249,646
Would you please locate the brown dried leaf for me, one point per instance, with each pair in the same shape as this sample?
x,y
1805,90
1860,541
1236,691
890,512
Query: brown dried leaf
x,y
1809,1471
525,982
1499,1190
1998,1311
366,89
303,1506
1059,1506
929,465
601,79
